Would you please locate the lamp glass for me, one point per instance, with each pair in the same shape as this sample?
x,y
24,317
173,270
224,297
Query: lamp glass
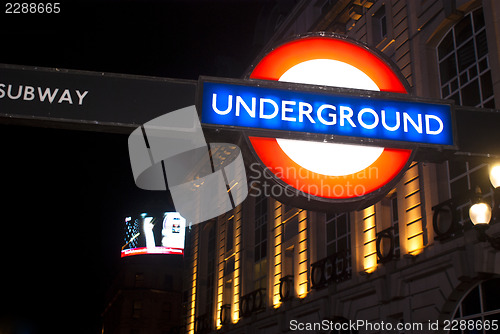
x,y
495,175
480,213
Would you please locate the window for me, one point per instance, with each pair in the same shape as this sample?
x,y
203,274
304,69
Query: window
x,y
289,263
260,249
387,242
229,266
167,311
227,296
338,233
379,25
188,243
464,69
136,309
291,228
260,274
480,304
210,270
338,236
463,176
465,77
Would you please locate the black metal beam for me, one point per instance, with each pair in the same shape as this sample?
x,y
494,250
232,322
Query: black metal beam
x,y
69,99
478,132
47,97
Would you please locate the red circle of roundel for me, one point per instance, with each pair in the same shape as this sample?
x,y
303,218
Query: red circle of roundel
x,y
388,165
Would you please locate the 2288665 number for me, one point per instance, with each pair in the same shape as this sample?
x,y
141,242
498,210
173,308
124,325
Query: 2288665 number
x,y
471,325
32,8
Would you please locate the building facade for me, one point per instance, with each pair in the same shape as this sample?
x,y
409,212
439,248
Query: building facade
x,y
409,260
145,296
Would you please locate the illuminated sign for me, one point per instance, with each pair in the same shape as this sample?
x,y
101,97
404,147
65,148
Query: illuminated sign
x,y
330,113
340,129
147,235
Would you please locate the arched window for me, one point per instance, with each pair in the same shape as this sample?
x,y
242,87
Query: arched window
x,y
481,305
464,68
465,76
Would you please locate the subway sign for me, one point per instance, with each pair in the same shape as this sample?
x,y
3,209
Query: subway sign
x,y
329,122
321,111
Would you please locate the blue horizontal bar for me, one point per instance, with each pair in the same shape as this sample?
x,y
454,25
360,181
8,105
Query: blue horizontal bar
x,y
328,113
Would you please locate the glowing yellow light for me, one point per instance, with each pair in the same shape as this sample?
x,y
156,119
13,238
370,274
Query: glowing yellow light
x,y
236,279
302,291
415,245
416,251
495,175
277,257
370,263
303,266
193,286
480,213
369,239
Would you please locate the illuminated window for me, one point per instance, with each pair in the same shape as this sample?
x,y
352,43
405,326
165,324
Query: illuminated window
x,y
465,77
464,68
481,305
260,249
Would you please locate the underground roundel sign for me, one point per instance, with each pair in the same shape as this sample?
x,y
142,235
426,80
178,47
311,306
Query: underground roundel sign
x,y
328,121
349,175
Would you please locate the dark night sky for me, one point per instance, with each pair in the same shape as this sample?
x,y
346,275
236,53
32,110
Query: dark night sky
x,y
66,193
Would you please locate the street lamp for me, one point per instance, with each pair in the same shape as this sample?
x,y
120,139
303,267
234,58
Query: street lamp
x,y
480,215
495,175
480,211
